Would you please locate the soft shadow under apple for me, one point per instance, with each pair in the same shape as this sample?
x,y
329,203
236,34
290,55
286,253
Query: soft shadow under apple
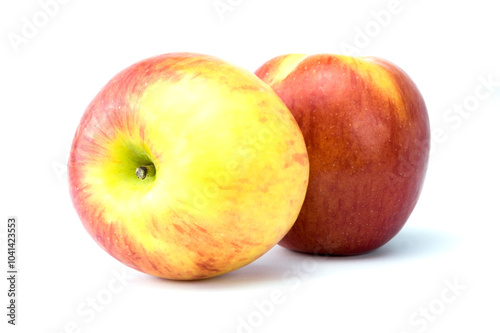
x,y
414,242
411,243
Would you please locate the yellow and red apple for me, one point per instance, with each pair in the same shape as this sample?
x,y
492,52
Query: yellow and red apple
x,y
366,129
187,167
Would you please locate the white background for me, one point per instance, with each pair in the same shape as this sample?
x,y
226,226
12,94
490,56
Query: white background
x,y
444,262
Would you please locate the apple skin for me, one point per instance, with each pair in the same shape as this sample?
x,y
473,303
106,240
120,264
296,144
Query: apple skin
x,y
367,135
231,167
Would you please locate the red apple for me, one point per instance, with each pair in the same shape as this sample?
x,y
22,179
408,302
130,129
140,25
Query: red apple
x,y
367,134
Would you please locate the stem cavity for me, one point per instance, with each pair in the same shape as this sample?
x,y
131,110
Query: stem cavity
x,y
143,171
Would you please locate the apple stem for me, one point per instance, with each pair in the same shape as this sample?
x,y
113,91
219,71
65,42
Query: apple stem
x,y
143,171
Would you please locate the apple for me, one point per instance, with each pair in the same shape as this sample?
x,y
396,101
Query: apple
x,y
187,167
367,135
